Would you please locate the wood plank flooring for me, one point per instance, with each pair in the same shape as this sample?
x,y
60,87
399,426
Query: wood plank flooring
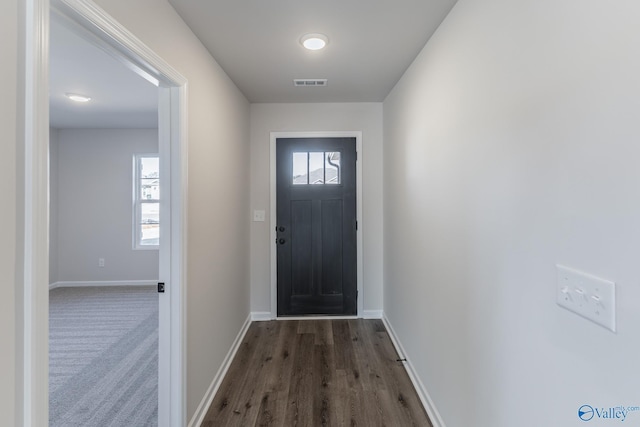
x,y
316,373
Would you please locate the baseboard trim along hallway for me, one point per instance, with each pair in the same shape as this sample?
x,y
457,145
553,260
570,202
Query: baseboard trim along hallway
x,y
203,407
263,316
372,314
426,400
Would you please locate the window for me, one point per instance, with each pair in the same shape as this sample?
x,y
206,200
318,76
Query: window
x,y
316,168
146,197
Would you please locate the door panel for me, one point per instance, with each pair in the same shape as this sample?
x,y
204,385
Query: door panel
x,y
332,247
301,278
316,226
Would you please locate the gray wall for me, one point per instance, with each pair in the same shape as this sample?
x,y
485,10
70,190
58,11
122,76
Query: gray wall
x,y
511,144
91,214
218,201
9,223
365,117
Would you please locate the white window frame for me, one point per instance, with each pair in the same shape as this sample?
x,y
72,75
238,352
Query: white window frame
x,y
138,201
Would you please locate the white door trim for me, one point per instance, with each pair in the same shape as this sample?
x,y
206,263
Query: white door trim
x,y
272,200
32,334
32,305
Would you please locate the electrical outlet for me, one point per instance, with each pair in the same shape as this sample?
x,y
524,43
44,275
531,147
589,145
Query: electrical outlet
x,y
591,297
100,262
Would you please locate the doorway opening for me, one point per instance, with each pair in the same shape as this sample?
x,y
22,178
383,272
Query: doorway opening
x,y
102,30
103,248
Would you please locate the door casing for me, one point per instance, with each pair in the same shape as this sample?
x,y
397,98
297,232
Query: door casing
x,y
272,212
33,301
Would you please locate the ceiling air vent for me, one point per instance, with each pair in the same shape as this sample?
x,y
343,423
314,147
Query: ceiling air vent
x,y
309,82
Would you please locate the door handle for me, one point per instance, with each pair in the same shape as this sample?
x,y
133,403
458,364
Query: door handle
x,y
280,229
282,241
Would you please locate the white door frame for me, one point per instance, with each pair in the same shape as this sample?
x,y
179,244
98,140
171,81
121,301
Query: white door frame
x,y
33,302
272,200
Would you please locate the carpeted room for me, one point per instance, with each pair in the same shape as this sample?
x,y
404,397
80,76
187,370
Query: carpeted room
x,y
103,258
103,313
103,308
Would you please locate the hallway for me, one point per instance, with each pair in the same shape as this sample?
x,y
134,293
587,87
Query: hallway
x,y
316,372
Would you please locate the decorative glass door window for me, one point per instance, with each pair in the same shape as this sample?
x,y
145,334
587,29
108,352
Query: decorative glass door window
x,y
146,201
316,167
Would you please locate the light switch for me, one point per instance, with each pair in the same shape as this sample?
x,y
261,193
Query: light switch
x,y
258,216
591,297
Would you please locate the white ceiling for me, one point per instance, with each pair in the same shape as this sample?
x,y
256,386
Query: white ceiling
x,y
257,43
119,97
371,44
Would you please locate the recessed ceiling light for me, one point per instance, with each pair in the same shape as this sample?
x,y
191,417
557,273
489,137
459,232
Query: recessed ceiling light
x,y
77,98
314,41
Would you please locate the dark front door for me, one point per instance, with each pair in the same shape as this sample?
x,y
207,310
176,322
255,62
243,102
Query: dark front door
x,y
316,225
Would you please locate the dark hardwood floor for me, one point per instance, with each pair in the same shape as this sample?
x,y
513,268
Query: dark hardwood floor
x,y
316,373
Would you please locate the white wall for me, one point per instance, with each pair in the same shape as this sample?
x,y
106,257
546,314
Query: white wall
x,y
365,117
511,144
91,205
218,208
8,220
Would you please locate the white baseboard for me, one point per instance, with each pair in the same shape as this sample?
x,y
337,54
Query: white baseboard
x,y
202,409
426,400
316,318
372,314
261,316
80,284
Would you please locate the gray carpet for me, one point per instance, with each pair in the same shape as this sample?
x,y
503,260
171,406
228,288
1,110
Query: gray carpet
x,y
103,356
